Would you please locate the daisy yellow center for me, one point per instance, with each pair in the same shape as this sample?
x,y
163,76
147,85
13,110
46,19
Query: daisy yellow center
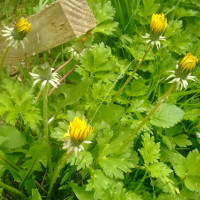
x,y
78,130
158,24
21,29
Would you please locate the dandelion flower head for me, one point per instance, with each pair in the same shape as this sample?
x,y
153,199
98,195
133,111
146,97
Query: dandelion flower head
x,y
17,34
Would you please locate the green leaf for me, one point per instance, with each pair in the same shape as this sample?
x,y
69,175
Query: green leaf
x,y
36,195
173,28
95,60
137,88
181,12
104,13
138,106
182,140
107,189
83,160
36,156
159,170
110,113
71,93
114,165
173,113
150,150
81,193
167,197
188,169
17,101
150,7
11,137
176,138
162,171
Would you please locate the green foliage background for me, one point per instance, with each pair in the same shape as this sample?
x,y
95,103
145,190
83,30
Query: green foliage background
x,y
162,162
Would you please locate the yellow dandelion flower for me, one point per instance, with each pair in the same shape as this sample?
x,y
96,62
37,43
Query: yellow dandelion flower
x,y
17,34
21,29
78,131
183,71
188,63
158,24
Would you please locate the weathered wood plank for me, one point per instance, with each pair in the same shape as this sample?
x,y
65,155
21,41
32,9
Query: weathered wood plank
x,y
58,23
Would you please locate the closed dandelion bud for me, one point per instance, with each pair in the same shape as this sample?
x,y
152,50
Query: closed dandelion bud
x,y
78,131
158,26
183,71
45,72
21,29
186,66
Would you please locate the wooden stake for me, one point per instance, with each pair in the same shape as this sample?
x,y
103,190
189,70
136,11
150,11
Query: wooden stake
x,y
58,23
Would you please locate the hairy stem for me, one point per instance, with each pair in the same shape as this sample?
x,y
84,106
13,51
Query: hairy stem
x,y
57,170
3,59
148,116
11,189
46,134
133,73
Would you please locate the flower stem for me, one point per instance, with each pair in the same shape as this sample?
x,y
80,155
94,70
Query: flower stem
x,y
46,134
11,189
3,59
148,116
133,73
142,180
57,170
63,78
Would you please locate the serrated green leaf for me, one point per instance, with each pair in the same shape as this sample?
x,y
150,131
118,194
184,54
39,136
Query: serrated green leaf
x,y
17,101
137,88
173,113
114,165
83,160
36,156
159,170
176,138
110,113
104,13
59,131
173,28
107,27
188,169
81,193
182,140
181,12
138,106
71,93
150,150
12,137
36,195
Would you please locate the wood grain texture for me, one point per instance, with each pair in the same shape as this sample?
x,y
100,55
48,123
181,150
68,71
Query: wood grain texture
x,y
58,23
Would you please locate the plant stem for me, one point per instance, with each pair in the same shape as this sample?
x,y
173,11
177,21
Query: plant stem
x,y
148,116
3,59
7,162
46,134
57,170
11,189
133,73
65,76
59,68
142,180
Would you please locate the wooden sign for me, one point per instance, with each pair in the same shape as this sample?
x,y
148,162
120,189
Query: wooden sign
x,y
58,23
